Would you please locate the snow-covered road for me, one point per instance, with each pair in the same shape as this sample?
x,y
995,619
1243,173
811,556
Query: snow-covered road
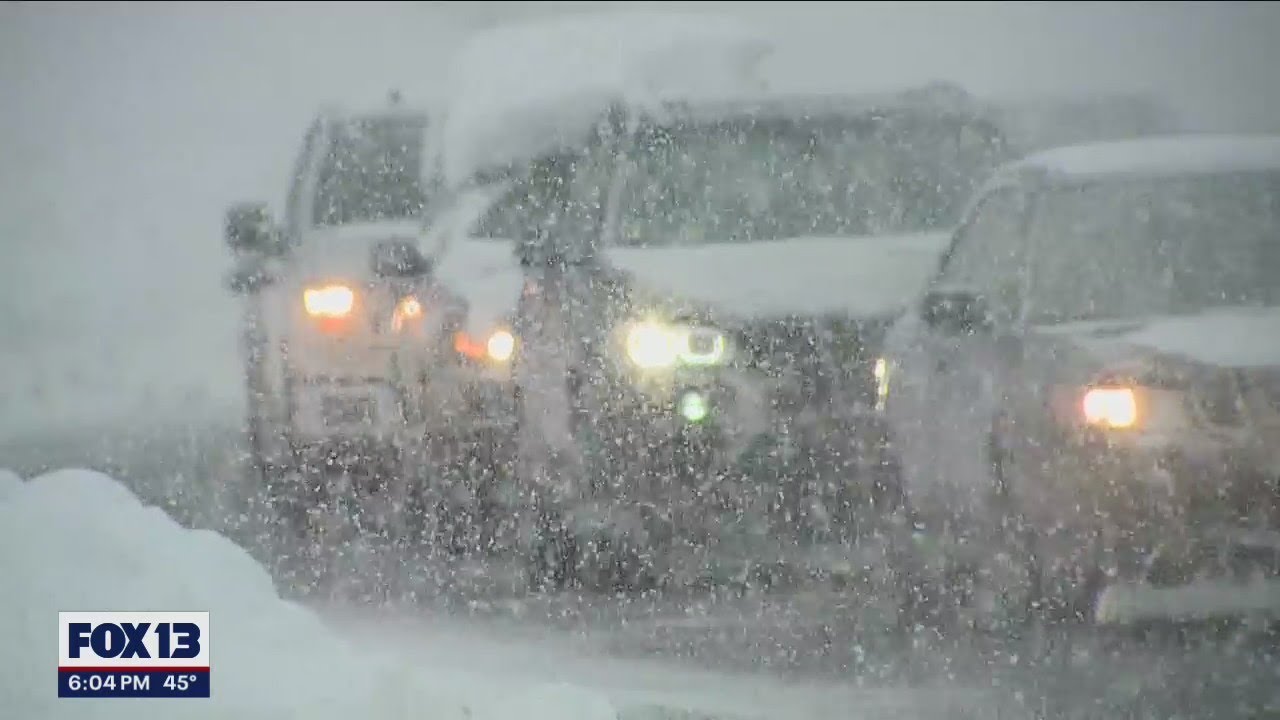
x,y
640,687
800,656
705,673
79,539
742,661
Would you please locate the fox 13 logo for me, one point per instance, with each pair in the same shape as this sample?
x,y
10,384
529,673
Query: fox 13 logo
x,y
133,654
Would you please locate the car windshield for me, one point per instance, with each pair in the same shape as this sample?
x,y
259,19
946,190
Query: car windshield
x,y
372,171
751,180
693,185
1132,248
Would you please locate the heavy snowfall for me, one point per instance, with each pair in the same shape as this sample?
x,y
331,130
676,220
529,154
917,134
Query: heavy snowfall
x,y
609,360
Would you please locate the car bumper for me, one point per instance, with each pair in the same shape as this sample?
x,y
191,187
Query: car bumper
x,y
463,401
1187,484
329,452
1184,528
483,404
332,411
351,467
835,450
1130,603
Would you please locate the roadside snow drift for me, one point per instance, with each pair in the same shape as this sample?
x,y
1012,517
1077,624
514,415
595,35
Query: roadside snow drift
x,y
10,483
79,540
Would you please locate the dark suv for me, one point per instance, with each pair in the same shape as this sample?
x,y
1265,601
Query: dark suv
x,y
1085,404
747,257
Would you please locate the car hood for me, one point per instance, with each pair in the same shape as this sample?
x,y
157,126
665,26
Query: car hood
x,y
1228,337
869,276
866,276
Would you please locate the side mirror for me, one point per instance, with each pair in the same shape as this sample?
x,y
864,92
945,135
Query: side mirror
x,y
248,277
249,228
399,259
956,312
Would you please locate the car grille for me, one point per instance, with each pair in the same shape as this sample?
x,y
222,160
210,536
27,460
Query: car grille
x,y
821,362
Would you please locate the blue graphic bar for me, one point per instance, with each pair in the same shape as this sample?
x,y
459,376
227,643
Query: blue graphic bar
x,y
133,683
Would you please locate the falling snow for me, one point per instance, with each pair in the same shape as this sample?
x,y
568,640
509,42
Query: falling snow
x,y
583,366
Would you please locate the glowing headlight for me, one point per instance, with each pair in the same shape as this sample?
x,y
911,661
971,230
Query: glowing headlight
x,y
501,345
410,308
1114,407
652,345
332,301
702,346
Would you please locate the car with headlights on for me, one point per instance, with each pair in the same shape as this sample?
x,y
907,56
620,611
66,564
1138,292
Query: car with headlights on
x,y
370,387
701,278
1085,402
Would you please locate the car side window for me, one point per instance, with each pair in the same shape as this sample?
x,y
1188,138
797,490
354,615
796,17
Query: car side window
x,y
989,253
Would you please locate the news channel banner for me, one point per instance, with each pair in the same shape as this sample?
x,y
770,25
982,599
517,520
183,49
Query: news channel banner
x,y
133,654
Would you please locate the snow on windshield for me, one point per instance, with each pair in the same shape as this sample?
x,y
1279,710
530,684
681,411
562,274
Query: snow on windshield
x,y
76,539
523,89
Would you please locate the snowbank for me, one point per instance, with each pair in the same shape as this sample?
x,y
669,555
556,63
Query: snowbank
x,y
79,540
524,88
10,484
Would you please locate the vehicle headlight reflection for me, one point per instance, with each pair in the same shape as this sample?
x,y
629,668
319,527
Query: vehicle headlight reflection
x,y
1112,407
652,345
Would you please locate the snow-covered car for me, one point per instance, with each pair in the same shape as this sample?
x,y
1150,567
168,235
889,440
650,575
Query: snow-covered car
x,y
366,383
1085,401
698,287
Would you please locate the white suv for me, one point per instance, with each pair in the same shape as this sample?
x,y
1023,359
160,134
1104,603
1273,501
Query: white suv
x,y
361,375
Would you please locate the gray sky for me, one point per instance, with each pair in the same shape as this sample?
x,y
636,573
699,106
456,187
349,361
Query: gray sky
x,y
126,128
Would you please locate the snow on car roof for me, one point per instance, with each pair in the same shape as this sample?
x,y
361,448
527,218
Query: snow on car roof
x,y
521,89
1153,156
800,105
